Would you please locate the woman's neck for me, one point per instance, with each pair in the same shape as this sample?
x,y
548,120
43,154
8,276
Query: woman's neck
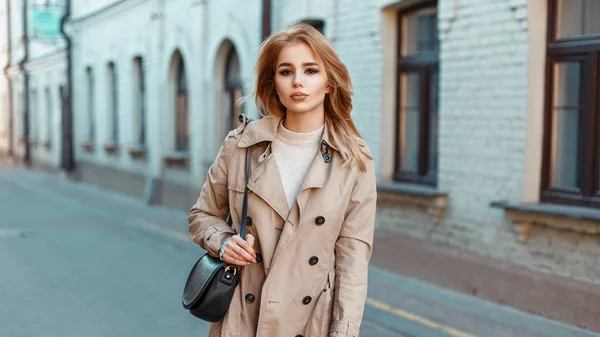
x,y
303,123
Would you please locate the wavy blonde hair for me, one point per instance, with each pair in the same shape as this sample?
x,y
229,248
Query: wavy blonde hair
x,y
338,103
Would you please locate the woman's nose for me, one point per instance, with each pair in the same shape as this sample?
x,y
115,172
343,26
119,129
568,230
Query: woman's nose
x,y
297,81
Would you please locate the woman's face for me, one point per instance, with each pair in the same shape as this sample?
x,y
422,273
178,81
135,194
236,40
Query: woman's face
x,y
300,80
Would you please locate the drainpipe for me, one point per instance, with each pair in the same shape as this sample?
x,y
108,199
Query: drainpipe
x,y
27,155
266,19
67,157
9,82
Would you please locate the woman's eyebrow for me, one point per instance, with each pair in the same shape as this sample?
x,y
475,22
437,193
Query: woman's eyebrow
x,y
306,64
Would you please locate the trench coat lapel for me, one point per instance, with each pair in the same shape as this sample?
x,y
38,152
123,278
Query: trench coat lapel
x,y
265,182
315,179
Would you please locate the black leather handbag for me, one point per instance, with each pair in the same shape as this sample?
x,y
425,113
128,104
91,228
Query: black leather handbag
x,y
210,286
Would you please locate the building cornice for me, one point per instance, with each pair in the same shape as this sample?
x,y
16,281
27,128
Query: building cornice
x,y
104,13
49,59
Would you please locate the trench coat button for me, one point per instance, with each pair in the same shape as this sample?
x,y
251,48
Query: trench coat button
x,y
299,336
307,300
250,298
258,258
319,220
313,260
248,221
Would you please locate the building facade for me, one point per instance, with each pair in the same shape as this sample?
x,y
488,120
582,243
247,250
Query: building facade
x,y
35,84
481,115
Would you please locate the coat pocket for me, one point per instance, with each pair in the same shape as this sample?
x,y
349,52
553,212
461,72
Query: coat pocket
x,y
320,319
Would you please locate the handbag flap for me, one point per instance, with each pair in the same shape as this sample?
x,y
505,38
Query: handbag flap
x,y
200,279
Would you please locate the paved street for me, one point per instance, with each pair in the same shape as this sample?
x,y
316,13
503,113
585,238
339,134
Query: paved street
x,y
79,261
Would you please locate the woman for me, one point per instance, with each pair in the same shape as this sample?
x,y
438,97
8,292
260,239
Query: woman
x,y
311,205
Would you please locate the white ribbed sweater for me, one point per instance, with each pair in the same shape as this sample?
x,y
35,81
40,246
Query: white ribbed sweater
x,y
294,154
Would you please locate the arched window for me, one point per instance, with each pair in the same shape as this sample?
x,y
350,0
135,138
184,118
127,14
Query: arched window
x,y
114,105
233,89
34,117
139,89
91,113
181,107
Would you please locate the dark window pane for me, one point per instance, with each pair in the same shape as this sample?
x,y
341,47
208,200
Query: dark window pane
x,y
409,120
141,91
182,80
182,123
565,158
419,32
433,122
577,18
181,111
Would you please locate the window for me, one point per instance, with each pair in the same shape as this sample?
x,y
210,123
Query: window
x,y
139,101
181,108
571,165
318,24
233,89
114,103
34,117
49,115
91,102
417,98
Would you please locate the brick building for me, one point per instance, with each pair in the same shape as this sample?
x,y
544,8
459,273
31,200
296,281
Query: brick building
x,y
481,116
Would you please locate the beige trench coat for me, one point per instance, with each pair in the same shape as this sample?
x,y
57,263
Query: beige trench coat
x,y
312,277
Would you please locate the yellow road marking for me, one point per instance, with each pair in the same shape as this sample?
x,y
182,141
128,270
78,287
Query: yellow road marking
x,y
417,319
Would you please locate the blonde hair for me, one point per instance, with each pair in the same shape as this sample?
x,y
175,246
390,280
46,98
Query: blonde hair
x,y
338,103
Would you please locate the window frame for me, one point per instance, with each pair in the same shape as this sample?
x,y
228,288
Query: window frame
x,y
425,64
586,50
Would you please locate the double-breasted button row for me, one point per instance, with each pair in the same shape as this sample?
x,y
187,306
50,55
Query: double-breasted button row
x,y
319,220
250,298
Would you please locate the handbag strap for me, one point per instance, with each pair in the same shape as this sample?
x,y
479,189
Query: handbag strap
x,y
245,204
245,120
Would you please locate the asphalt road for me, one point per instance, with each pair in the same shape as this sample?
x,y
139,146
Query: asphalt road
x,y
76,260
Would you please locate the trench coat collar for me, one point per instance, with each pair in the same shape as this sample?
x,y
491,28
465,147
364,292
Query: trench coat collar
x,y
265,129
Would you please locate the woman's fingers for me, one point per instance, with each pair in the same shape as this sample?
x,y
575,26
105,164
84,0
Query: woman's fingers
x,y
238,252
245,245
236,262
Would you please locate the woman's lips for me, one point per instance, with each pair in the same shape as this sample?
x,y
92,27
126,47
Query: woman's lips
x,y
298,96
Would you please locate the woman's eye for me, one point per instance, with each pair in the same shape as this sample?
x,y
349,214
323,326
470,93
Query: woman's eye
x,y
285,72
311,71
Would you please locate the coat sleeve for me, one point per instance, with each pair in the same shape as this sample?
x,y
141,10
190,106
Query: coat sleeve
x,y
207,218
352,254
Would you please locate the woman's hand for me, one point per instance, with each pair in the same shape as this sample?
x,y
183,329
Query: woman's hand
x,y
239,252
